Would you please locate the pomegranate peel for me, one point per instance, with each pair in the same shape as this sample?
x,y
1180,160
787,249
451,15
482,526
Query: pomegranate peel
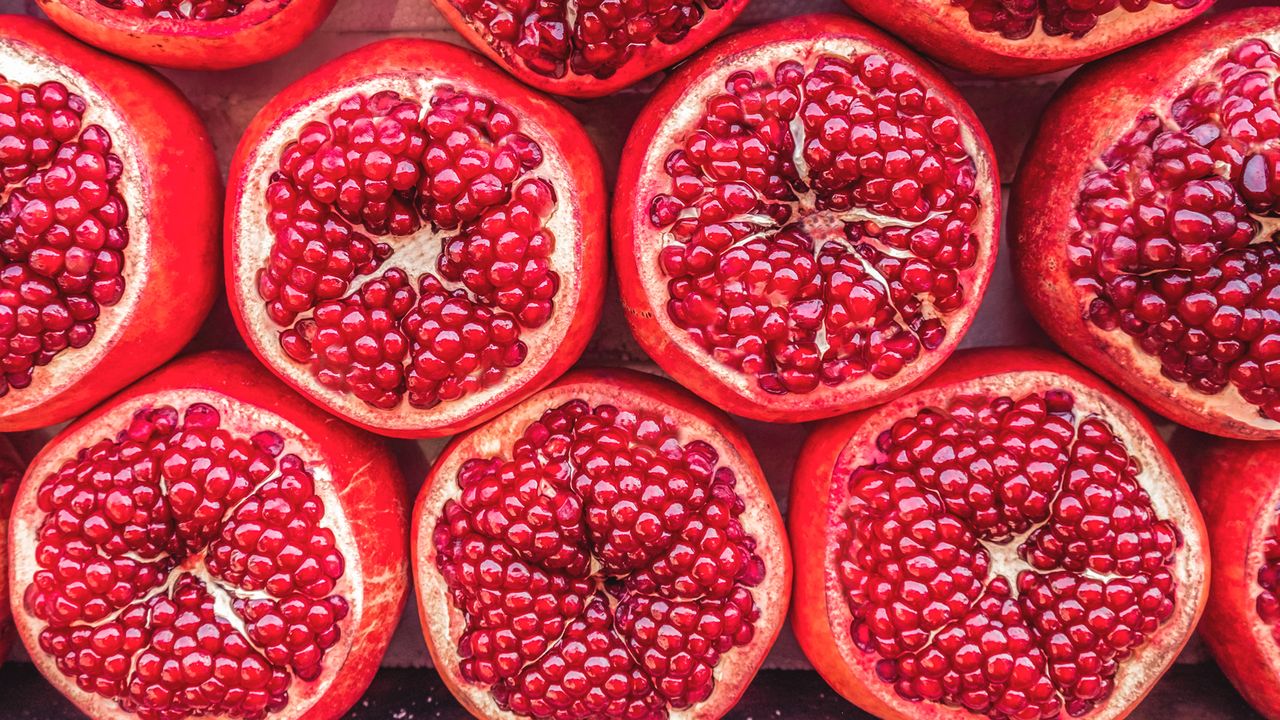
x,y
1172,309
451,271
89,285
160,32
272,519
759,266
847,460
11,469
606,559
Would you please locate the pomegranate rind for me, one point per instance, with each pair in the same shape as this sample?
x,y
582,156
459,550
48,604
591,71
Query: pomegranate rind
x,y
1238,487
263,30
942,30
649,60
667,116
1090,113
172,188
821,617
356,478
9,461
415,67
443,623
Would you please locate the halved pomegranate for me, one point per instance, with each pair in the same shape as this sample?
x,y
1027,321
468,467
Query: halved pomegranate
x,y
1012,539
806,220
208,543
191,34
1146,220
1238,486
109,198
608,548
415,241
1008,38
11,469
588,49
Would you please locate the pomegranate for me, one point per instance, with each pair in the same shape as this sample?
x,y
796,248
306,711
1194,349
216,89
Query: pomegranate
x,y
1008,38
109,197
1145,223
1012,539
207,543
806,220
1238,487
588,49
191,34
11,468
608,548
415,241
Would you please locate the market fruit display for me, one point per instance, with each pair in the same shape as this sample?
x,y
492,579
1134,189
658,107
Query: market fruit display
x,y
607,548
109,206
1144,221
208,543
191,34
414,240
1011,539
1007,38
588,49
806,220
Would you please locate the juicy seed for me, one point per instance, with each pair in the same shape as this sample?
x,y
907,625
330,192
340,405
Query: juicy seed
x,y
178,9
1016,19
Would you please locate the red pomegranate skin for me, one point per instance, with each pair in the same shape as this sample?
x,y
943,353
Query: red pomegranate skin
x,y
828,648
942,30
11,469
399,57
1237,485
182,204
1090,114
635,261
364,473
262,30
643,61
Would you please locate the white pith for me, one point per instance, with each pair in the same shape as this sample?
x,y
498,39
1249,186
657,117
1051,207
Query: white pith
x,y
22,65
683,117
241,420
1137,673
446,623
252,241
1124,348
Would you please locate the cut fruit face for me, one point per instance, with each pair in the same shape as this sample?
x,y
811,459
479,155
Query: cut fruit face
x,y
598,552
1053,17
177,9
412,250
822,228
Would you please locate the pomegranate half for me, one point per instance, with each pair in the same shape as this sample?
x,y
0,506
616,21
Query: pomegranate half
x,y
191,34
1007,39
414,241
109,198
1238,486
805,221
208,543
607,548
11,469
1011,539
1145,220
588,49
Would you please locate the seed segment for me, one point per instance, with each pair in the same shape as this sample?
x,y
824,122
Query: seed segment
x,y
62,227
919,547
383,167
602,570
183,569
818,225
178,9
1016,19
1176,244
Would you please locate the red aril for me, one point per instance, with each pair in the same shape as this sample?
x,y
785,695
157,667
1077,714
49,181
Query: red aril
x,y
1011,539
607,548
805,220
109,197
207,543
1007,38
11,468
1145,217
191,34
1238,487
415,241
588,49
